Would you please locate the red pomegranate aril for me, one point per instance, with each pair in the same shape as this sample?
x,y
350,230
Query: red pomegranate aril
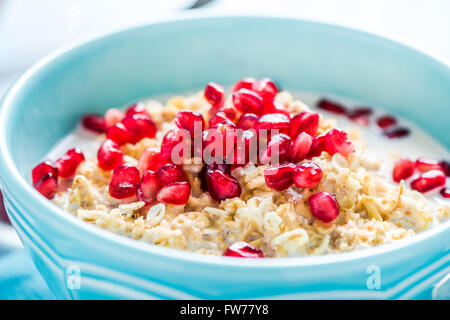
x,y
274,121
68,163
46,185
243,250
360,115
148,187
403,169
93,122
246,146
176,193
124,182
280,177
300,147
109,155
175,138
226,133
248,121
141,126
42,169
445,192
229,111
275,107
222,186
428,181
137,108
307,175
331,106
246,83
336,141
445,167
219,117
214,94
304,122
385,122
248,101
113,116
120,135
395,133
149,160
266,88
424,164
190,120
277,149
323,206
317,146
169,173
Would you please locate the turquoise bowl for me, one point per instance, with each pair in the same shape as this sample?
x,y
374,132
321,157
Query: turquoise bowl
x,y
81,261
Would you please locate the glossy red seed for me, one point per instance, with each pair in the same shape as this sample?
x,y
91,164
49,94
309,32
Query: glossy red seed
x,y
246,83
386,121
215,94
120,135
266,88
218,118
176,193
307,175
336,141
93,122
222,186
280,177
149,160
226,134
246,148
424,164
274,121
229,111
300,147
304,122
69,162
445,167
137,108
360,115
403,169
109,155
42,169
192,121
148,187
331,106
169,173
323,206
395,133
112,117
275,107
317,146
46,185
202,174
248,121
141,126
445,192
176,146
277,149
428,181
248,101
124,181
243,250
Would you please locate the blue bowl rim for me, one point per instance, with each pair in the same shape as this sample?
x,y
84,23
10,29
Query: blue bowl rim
x,y
10,175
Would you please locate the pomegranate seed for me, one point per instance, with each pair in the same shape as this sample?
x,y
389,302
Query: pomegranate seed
x,y
94,122
317,146
190,120
148,187
202,174
46,185
275,107
227,135
214,94
177,193
331,106
445,167
248,121
307,175
304,122
229,111
266,88
274,121
124,182
445,192
300,147
175,138
403,169
42,169
141,126
248,101
113,116
222,186
219,117
169,173
323,206
336,141
277,149
246,144
243,250
280,177
137,108
424,164
246,83
109,155
68,163
428,181
149,160
120,135
386,121
394,133
360,115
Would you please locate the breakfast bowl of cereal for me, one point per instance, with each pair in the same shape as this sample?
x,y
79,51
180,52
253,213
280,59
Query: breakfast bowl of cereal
x,y
231,157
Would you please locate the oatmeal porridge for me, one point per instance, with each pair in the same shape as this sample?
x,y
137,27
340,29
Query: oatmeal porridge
x,y
257,173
